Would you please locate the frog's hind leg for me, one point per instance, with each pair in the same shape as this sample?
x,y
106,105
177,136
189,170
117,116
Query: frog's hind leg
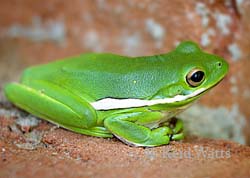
x,y
57,105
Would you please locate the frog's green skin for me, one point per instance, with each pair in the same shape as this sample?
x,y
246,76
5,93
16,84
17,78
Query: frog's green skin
x,y
129,97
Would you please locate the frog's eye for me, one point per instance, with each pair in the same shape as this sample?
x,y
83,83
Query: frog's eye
x,y
195,77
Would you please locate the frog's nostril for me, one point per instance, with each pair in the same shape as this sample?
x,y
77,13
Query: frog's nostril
x,y
219,64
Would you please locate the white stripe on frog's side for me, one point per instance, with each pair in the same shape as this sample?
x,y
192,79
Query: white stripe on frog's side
x,y
112,103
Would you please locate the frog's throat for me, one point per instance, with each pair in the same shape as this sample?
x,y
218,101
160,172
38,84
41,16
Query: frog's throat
x,y
113,103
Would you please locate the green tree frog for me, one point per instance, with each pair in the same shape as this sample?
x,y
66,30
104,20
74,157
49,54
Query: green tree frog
x,y
132,98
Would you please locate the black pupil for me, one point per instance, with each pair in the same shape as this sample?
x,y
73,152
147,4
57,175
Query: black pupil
x,y
197,76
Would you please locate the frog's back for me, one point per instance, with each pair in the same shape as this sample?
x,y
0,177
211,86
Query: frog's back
x,y
103,75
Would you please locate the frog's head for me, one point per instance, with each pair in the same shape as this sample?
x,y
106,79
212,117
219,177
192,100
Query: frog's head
x,y
193,73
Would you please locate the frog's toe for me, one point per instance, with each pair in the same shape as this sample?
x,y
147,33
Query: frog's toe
x,y
177,130
161,131
176,137
178,127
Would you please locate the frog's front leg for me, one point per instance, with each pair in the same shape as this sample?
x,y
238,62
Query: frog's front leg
x,y
130,128
176,125
57,105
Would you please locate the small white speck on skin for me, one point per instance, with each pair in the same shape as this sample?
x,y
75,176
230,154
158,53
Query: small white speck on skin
x,y
223,22
235,51
156,30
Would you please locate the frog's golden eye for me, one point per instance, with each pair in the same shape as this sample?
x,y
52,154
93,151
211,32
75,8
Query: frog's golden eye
x,y
195,77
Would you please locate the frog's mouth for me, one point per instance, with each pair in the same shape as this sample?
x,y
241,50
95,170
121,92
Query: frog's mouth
x,y
114,103
203,90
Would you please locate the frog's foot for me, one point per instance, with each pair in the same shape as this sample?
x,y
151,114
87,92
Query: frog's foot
x,y
127,127
176,126
160,134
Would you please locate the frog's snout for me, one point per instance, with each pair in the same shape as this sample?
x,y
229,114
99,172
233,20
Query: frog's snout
x,y
222,66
